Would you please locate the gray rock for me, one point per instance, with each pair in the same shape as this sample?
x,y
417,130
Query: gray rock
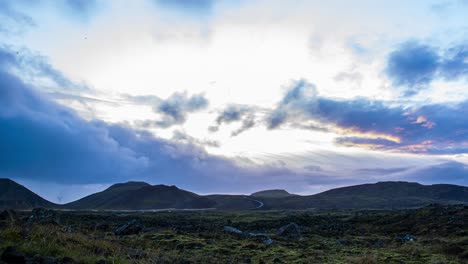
x,y
43,216
289,230
261,237
406,238
232,230
131,228
10,216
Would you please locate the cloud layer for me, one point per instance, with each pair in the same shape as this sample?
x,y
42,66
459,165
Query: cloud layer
x,y
415,65
373,124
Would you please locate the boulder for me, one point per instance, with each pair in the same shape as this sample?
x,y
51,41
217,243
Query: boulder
x,y
12,255
131,228
233,230
43,216
261,237
289,230
10,216
406,238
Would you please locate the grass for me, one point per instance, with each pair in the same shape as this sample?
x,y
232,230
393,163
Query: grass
x,y
364,237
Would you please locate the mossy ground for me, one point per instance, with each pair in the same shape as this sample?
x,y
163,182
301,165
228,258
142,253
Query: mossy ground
x,y
441,236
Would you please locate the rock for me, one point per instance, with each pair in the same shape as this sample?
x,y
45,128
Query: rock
x,y
10,216
290,230
67,260
406,238
261,237
131,228
264,238
68,229
43,216
11,255
233,230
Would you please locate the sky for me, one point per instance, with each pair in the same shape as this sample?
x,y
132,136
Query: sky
x,y
232,96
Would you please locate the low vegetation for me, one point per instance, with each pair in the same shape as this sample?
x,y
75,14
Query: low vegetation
x,y
433,234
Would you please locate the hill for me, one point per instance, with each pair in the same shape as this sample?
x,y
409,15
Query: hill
x,y
375,196
141,196
277,193
14,195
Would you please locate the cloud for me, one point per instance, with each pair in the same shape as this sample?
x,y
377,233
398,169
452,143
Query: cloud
x,y
414,66
41,140
180,136
174,110
236,113
373,124
13,21
35,68
453,172
196,7
81,10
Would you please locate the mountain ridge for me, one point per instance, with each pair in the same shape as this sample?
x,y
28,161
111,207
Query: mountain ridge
x,y
143,196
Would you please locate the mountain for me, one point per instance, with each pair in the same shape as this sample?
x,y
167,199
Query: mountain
x,y
141,196
233,202
14,195
375,196
277,193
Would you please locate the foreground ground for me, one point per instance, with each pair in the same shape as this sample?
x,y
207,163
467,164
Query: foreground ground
x,y
434,234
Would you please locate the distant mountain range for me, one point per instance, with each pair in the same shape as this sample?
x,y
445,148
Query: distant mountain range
x,y
143,196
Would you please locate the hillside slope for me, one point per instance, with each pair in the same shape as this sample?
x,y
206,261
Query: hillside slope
x,y
141,196
14,195
377,195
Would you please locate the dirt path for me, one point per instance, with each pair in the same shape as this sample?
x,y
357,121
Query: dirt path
x,y
260,203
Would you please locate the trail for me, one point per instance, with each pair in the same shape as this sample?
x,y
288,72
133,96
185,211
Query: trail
x,y
260,203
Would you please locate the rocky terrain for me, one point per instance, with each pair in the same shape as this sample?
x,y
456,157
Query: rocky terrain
x,y
432,234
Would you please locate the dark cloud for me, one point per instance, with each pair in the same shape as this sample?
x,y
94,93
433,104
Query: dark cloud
x,y
173,110
453,172
414,65
455,64
236,113
43,141
434,128
247,124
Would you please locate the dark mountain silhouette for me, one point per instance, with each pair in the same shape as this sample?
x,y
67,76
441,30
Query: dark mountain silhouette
x,y
377,195
277,193
14,195
141,196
